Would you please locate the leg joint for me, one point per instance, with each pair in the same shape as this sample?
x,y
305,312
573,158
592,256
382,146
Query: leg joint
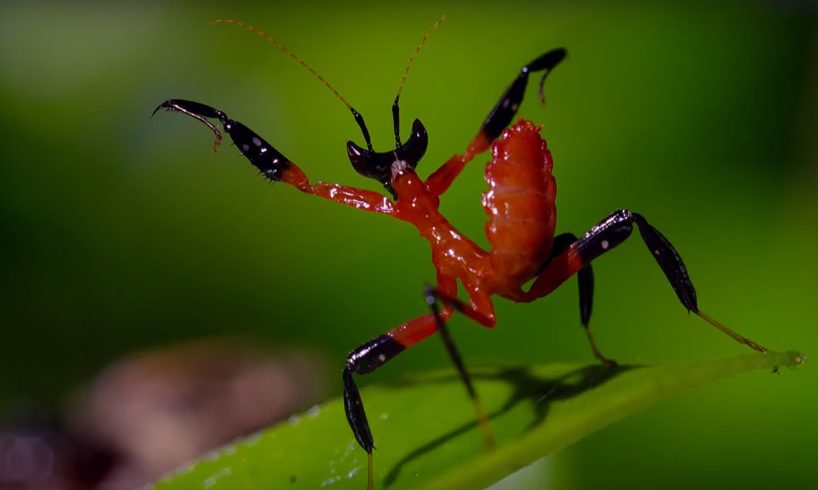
x,y
373,354
609,233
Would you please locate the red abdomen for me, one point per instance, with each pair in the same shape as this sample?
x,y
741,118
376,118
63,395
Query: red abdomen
x,y
520,203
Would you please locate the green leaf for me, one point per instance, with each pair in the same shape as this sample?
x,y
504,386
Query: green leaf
x,y
426,432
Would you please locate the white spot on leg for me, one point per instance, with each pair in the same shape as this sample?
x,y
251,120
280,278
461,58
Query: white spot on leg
x,y
605,244
382,358
256,141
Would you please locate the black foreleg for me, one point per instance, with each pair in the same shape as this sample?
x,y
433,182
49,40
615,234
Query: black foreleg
x,y
505,109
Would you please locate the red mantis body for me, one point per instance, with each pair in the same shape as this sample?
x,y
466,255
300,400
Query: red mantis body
x,y
522,220
522,217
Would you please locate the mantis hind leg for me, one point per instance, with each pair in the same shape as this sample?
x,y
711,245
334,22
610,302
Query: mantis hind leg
x,y
602,238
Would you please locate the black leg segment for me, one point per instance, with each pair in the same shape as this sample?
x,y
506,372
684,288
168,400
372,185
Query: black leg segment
x,y
261,154
585,281
365,359
617,227
502,113
585,276
356,415
432,298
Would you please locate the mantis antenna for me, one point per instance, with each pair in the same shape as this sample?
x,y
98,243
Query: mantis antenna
x,y
395,104
357,115
275,42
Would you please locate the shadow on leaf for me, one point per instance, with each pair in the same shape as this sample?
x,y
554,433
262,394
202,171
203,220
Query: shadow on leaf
x,y
537,390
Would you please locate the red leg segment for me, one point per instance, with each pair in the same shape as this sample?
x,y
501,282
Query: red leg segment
x,y
443,177
481,309
351,196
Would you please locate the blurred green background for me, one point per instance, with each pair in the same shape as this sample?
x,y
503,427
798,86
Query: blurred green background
x,y
120,232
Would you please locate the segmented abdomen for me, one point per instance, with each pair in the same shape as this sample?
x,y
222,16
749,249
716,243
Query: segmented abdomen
x,y
520,202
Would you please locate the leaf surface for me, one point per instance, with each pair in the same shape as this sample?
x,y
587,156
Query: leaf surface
x,y
426,434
